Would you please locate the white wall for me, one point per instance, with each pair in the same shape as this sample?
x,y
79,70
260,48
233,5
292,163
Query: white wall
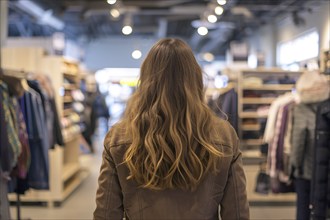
x,y
318,18
115,52
264,40
284,29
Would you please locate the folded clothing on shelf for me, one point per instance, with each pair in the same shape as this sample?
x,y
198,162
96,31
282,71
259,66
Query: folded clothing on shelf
x,y
263,110
77,95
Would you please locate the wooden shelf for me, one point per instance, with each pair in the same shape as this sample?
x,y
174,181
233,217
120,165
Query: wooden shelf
x,y
270,87
252,127
70,74
251,115
69,86
252,142
67,99
260,100
68,111
69,170
72,137
75,182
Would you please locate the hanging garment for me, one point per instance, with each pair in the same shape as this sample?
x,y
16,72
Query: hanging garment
x,y
4,203
227,102
10,147
34,115
56,126
24,158
320,195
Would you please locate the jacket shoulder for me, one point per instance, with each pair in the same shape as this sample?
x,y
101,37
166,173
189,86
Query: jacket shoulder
x,y
116,136
226,134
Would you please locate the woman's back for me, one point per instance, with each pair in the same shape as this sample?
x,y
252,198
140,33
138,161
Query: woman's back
x,y
226,188
170,157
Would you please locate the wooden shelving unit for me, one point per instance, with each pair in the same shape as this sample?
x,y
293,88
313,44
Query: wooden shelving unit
x,y
65,170
325,62
250,119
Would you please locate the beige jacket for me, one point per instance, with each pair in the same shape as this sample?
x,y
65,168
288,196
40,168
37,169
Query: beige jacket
x,y
227,188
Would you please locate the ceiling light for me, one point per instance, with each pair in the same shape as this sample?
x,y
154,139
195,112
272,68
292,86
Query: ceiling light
x,y
218,10
111,2
115,13
136,54
221,2
202,31
212,18
127,30
208,57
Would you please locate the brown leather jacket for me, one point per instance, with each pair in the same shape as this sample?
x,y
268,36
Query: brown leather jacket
x,y
227,189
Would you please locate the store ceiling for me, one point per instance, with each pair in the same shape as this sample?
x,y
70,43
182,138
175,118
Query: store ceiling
x,y
90,19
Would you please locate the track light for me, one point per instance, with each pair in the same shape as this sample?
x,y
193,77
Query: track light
x,y
115,13
221,2
136,54
111,2
127,30
218,10
212,18
202,31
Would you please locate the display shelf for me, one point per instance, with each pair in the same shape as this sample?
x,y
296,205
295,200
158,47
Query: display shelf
x,y
69,170
74,183
271,87
69,86
266,94
251,115
71,138
251,127
252,142
67,112
257,100
67,99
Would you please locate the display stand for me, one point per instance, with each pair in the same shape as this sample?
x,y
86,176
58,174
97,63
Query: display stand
x,y
65,170
250,120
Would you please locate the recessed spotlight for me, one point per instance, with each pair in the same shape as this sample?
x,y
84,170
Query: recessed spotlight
x,y
115,13
111,2
221,2
212,18
136,54
202,31
127,30
209,57
218,10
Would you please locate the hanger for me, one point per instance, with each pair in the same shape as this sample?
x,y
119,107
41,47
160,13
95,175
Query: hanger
x,y
25,85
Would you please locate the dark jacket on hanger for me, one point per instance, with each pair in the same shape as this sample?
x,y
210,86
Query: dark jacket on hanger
x,y
227,102
321,170
34,115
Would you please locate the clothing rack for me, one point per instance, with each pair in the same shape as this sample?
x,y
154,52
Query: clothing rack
x,y
19,75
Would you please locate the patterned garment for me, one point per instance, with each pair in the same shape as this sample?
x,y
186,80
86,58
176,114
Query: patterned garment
x,y
10,119
24,158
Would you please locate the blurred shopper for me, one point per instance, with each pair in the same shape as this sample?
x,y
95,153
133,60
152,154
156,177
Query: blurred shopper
x,y
170,157
312,88
96,108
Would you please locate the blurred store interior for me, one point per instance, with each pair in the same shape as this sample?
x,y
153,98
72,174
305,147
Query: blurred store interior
x,y
86,55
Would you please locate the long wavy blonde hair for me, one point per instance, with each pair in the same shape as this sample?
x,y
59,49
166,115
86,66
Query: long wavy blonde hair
x,y
171,127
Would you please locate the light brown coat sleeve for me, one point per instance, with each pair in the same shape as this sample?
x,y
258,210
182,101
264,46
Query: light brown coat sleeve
x,y
234,205
109,198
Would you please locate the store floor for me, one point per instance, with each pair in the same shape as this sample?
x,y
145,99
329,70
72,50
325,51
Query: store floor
x,y
81,204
